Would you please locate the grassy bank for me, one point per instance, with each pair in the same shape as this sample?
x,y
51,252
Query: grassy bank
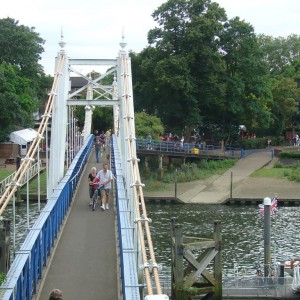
x,y
279,171
185,173
5,173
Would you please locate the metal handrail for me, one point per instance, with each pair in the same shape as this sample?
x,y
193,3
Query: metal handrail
x,y
32,171
186,148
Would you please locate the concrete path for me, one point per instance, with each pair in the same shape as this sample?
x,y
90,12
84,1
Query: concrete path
x,y
84,265
216,189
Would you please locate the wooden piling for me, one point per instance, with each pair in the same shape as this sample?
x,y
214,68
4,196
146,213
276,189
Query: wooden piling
x,y
185,282
4,246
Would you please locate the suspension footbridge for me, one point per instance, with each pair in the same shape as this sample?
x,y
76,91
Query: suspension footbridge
x,y
88,255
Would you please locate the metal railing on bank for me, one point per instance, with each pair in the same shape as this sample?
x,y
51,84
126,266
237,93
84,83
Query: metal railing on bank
x,y
188,148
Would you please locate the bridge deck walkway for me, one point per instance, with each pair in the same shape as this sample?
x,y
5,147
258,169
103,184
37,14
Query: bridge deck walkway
x,y
84,264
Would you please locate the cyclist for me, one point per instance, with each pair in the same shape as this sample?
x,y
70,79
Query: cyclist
x,y
92,183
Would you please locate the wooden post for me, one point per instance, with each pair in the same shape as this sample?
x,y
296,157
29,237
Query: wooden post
x,y
218,262
160,167
231,176
4,246
183,161
222,147
185,283
170,162
177,276
147,169
176,183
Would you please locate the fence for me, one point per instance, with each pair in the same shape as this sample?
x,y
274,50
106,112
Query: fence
x,y
188,148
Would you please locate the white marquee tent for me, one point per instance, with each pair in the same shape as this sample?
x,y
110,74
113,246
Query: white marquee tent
x,y
22,137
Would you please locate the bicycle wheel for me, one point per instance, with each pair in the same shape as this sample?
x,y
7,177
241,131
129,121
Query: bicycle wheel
x,y
95,196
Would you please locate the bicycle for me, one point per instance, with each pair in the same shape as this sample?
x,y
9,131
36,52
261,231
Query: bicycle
x,y
94,199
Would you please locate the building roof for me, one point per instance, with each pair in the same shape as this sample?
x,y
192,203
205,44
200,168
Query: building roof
x,y
23,136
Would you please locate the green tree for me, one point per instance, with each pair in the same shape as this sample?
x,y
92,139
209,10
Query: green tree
x,y
201,68
279,52
23,81
286,97
18,100
145,124
248,95
178,72
21,46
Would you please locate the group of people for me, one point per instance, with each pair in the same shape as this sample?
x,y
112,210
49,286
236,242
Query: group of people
x,y
101,141
102,182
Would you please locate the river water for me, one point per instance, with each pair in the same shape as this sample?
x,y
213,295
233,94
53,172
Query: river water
x,y
21,226
242,232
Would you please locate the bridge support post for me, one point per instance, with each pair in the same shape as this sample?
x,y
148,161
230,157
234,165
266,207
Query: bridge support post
x,y
222,146
171,165
147,169
160,171
185,283
4,246
183,161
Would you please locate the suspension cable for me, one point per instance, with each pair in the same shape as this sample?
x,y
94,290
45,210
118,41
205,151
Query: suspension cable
x,y
34,147
142,220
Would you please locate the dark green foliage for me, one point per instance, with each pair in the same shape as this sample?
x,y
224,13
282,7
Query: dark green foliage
x,y
201,68
188,172
2,277
290,154
22,80
145,124
259,143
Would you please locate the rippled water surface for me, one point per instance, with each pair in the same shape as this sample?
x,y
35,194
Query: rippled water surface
x,y
21,222
242,232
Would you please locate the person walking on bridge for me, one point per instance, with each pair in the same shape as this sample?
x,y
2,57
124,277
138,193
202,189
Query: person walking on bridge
x,y
105,177
56,294
92,183
97,146
102,137
108,134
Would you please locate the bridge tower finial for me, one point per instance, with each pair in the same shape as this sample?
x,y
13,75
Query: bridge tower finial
x,y
123,43
62,43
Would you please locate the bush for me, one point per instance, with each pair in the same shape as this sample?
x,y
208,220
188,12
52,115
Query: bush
x,y
290,154
260,143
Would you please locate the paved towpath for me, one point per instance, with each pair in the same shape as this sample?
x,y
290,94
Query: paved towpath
x,y
216,189
84,265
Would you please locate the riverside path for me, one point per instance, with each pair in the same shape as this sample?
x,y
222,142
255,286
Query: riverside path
x,y
84,263
216,189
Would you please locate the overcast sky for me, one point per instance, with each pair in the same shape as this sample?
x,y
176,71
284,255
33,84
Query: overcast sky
x,y
93,28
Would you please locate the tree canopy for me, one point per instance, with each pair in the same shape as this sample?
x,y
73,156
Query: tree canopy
x,y
22,80
201,68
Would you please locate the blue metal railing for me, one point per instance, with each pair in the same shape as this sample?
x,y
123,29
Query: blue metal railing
x,y
26,269
188,148
128,255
